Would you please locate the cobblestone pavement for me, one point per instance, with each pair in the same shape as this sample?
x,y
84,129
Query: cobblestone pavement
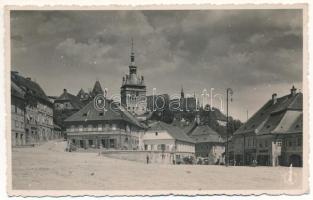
x,y
49,167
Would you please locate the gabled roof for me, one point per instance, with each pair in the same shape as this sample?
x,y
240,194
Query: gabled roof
x,y
271,114
175,132
66,96
28,85
113,112
204,133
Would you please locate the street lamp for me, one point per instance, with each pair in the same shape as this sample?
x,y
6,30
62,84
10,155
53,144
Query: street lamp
x,y
229,92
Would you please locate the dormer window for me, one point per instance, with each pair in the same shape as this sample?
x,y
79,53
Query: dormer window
x,y
85,114
101,114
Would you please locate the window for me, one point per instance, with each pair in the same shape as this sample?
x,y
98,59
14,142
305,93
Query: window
x,y
113,127
261,144
90,142
299,141
99,127
127,128
89,127
80,128
101,113
290,143
279,143
249,142
112,143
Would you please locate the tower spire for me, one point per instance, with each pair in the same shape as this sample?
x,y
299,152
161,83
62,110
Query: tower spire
x,y
132,54
182,94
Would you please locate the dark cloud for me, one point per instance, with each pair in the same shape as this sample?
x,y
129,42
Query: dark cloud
x,y
249,50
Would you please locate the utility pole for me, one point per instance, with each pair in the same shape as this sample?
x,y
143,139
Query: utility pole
x,y
229,92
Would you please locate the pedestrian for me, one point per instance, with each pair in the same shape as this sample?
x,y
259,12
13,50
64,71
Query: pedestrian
x,y
147,159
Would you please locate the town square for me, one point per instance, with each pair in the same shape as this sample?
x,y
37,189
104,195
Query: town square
x,y
130,100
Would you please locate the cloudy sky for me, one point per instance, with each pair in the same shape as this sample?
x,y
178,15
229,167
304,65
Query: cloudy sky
x,y
255,52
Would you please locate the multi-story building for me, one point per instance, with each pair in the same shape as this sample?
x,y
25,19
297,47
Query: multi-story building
x,y
17,115
208,144
169,139
112,127
133,89
38,110
273,135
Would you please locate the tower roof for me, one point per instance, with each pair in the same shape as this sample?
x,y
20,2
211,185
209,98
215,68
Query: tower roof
x,y
97,89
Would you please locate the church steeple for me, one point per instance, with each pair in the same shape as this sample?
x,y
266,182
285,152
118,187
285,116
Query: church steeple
x,y
182,94
132,54
132,66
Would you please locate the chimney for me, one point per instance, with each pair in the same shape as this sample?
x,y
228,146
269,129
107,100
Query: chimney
x,y
274,98
14,72
293,90
65,90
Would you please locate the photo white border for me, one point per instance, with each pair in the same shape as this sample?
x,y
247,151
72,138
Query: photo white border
x,y
204,192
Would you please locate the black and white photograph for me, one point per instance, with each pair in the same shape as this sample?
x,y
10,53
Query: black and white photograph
x,y
168,101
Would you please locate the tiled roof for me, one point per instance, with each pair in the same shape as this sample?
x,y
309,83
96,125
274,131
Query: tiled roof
x,y
28,84
271,114
175,132
290,122
66,96
113,112
204,133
